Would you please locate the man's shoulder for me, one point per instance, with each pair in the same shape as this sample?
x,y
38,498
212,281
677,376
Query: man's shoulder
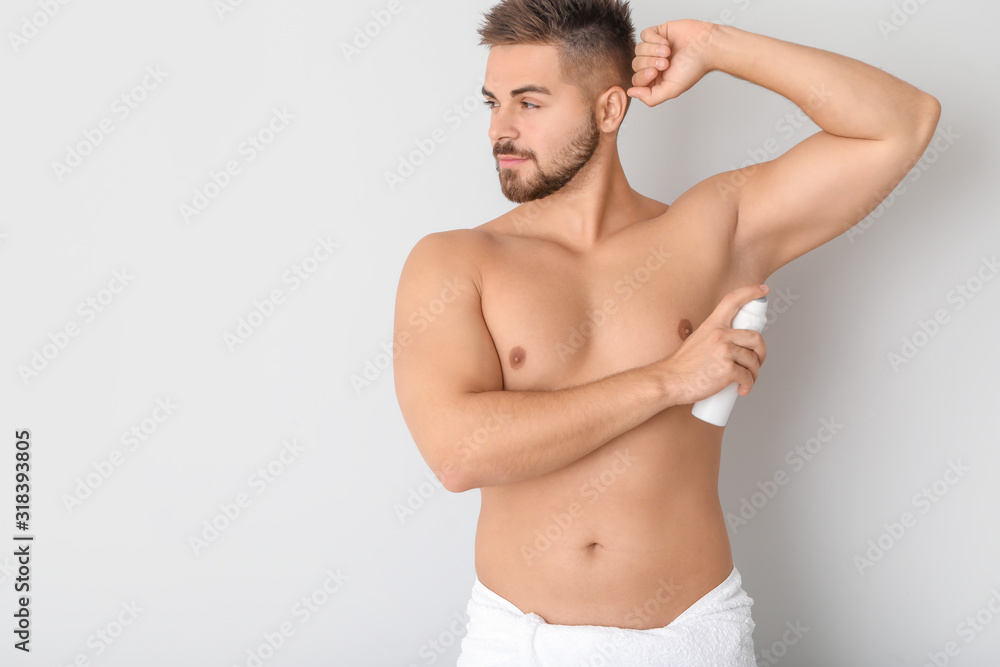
x,y
705,210
714,194
455,252
460,240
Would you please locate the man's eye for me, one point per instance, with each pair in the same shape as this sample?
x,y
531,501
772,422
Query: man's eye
x,y
489,104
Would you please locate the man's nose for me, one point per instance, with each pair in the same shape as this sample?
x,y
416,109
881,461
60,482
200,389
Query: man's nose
x,y
501,126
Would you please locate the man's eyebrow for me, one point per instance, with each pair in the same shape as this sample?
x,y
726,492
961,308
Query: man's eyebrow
x,y
530,88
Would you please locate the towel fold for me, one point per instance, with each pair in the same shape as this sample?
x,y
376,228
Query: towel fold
x,y
715,631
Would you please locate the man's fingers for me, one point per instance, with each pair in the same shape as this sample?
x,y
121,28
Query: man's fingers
x,y
746,366
653,35
641,94
642,78
745,353
649,62
654,50
747,349
732,302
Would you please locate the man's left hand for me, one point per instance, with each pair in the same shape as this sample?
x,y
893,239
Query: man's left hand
x,y
671,57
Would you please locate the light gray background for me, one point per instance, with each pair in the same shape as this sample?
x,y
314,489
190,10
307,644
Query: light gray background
x,y
335,507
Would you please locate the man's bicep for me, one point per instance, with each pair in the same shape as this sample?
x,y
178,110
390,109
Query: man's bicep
x,y
816,191
445,348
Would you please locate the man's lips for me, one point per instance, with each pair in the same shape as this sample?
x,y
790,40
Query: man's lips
x,y
510,160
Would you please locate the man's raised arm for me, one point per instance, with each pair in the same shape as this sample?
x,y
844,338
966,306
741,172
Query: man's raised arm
x,y
874,128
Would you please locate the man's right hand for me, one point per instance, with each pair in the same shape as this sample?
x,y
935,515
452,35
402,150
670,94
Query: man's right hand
x,y
715,355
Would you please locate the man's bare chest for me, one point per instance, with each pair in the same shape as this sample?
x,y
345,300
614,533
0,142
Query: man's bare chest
x,y
559,319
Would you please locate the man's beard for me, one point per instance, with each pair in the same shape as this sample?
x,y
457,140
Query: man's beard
x,y
566,164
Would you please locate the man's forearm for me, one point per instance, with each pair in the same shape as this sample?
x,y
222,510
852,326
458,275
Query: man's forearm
x,y
511,436
844,96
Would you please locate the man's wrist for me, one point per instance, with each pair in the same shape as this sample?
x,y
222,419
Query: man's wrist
x,y
666,383
718,49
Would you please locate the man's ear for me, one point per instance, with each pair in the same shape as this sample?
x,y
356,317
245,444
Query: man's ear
x,y
611,107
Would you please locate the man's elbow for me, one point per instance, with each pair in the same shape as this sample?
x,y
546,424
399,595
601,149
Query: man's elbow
x,y
927,120
453,474
450,457
453,479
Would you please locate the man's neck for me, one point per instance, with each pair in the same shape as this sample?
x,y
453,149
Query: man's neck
x,y
596,204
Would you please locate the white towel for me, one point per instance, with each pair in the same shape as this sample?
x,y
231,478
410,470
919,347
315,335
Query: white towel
x,y
716,631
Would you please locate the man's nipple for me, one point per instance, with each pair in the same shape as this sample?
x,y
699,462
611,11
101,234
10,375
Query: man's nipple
x,y
517,357
684,329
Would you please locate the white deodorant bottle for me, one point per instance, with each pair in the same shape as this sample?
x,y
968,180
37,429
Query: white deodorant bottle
x,y
715,409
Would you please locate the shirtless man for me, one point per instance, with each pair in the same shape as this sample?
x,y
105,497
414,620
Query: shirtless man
x,y
550,357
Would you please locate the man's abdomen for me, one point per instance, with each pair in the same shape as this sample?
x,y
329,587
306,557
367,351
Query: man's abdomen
x,y
630,535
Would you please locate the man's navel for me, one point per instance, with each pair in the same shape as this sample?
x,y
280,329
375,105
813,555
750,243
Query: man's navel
x,y
517,357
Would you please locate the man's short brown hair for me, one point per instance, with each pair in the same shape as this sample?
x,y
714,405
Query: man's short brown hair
x,y
595,38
